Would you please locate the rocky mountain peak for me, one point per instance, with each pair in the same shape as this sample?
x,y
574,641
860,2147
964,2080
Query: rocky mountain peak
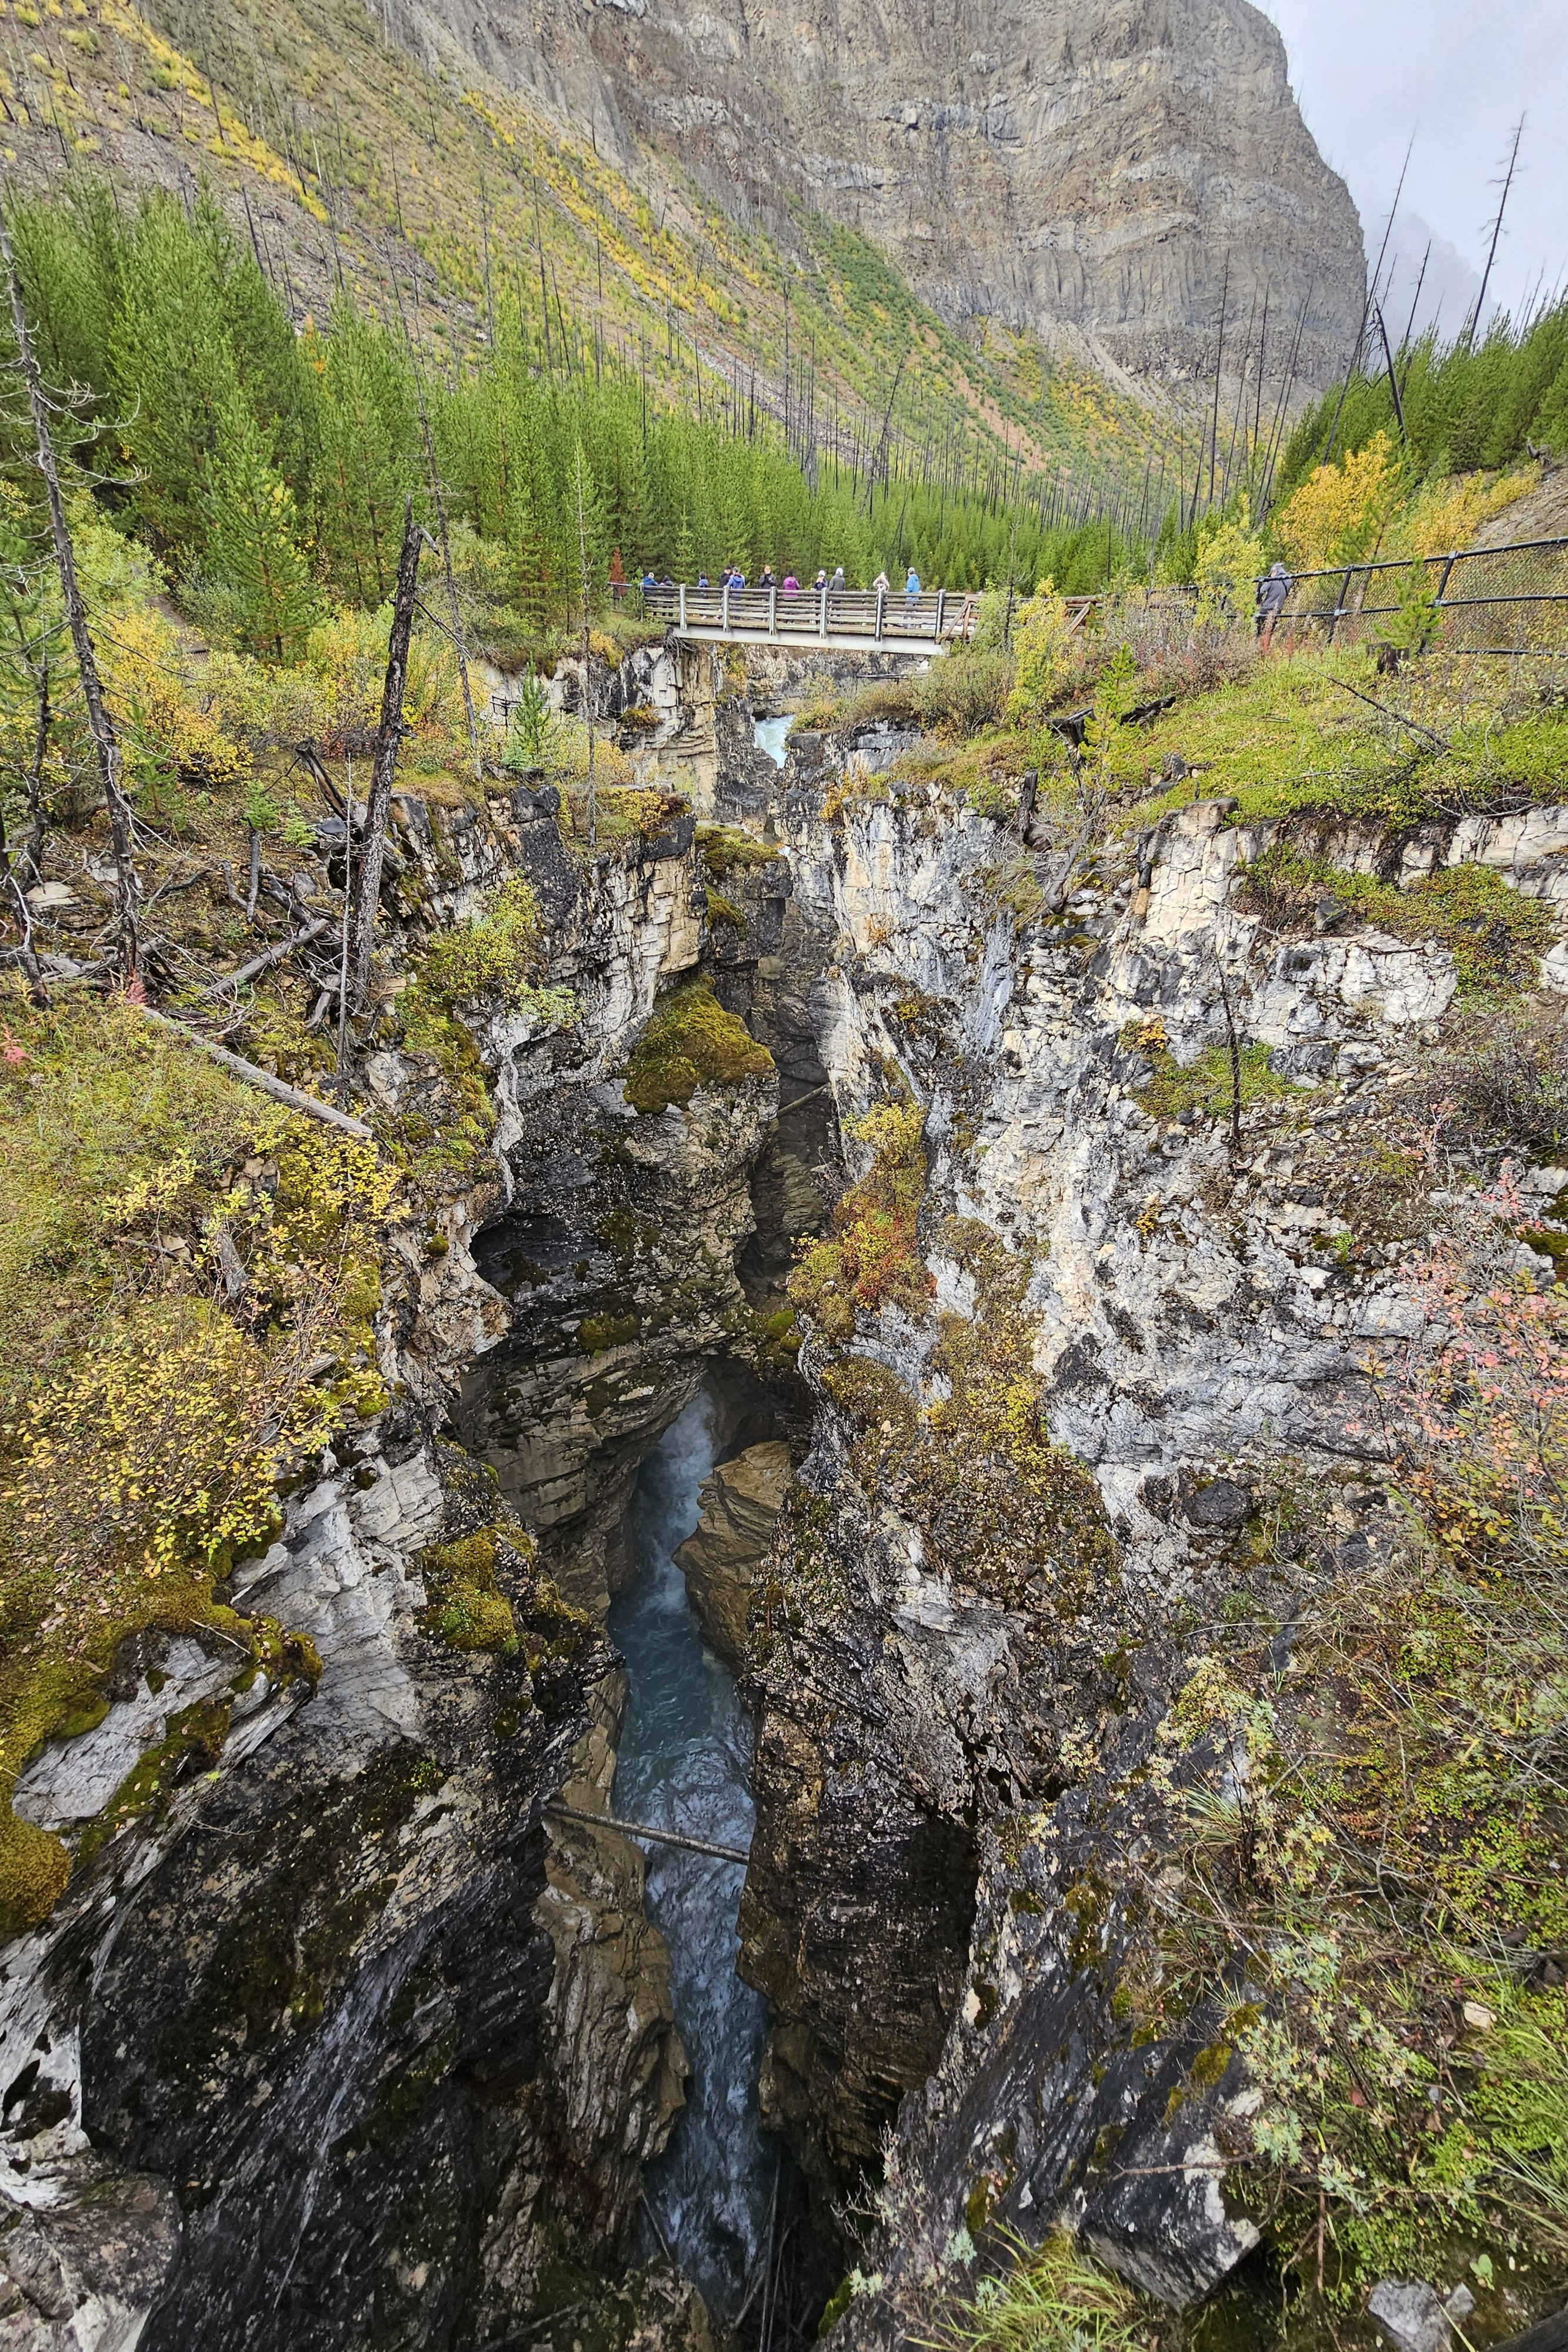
x,y
1099,170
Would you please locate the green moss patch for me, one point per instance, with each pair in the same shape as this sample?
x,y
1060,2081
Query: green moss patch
x,y
1000,1508
465,1607
1205,1086
691,1042
723,849
1495,936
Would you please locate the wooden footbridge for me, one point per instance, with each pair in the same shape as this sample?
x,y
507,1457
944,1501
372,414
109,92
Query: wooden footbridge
x,y
837,620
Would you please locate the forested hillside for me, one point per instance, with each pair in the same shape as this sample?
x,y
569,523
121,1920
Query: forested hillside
x,y
267,468
341,161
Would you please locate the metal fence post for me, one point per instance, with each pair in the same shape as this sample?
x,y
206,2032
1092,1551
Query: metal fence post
x,y
724,609
1339,610
881,602
822,613
773,610
941,601
683,607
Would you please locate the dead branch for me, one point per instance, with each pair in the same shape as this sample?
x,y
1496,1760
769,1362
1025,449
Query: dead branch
x,y
264,1079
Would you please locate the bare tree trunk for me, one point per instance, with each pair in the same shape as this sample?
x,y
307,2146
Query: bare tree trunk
x,y
99,723
1235,1048
587,654
389,735
11,884
238,1067
344,942
35,849
446,550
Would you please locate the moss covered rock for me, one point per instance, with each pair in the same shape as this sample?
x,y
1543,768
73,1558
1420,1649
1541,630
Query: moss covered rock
x,y
691,1042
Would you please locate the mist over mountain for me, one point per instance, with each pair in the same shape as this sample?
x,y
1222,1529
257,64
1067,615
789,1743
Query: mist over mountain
x,y
1443,297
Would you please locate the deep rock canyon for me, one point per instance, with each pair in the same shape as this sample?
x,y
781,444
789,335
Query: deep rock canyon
x,y
338,2039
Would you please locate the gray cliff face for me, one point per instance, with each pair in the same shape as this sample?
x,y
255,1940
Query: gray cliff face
x,y
1082,167
958,1852
616,1247
722,1561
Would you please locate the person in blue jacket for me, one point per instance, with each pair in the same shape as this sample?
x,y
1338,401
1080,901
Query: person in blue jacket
x,y
912,586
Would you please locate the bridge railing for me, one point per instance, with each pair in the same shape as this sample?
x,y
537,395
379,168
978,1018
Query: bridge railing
x,y
936,616
1487,600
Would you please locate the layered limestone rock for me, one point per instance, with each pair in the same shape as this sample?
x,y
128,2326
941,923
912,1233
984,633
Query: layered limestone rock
x,y
336,2037
610,2002
954,1844
300,2025
1086,169
721,1561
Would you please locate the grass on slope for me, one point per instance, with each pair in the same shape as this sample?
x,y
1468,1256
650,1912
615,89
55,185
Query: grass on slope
x,y
1289,737
187,1280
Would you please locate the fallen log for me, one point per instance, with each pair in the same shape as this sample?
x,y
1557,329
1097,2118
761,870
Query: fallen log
x,y
238,1067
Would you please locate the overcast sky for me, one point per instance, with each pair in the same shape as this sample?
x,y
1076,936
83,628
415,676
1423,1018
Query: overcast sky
x,y
1458,73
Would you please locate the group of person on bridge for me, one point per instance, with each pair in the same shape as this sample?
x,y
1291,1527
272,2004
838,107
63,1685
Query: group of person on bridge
x,y
732,576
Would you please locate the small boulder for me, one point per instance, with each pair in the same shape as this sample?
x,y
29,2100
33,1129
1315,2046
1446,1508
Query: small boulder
x,y
1221,1504
1415,2318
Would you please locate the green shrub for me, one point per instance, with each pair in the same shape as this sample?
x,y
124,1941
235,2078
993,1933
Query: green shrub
x,y
1045,656
492,954
1501,1078
966,692
464,1606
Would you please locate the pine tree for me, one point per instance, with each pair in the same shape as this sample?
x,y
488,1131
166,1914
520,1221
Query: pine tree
x,y
169,371
367,457
257,573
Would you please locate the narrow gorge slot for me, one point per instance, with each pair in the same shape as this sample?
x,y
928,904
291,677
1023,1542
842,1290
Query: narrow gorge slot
x,y
684,1764
783,1373
771,735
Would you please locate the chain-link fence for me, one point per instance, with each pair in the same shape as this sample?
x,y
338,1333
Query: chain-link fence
x,y
1487,600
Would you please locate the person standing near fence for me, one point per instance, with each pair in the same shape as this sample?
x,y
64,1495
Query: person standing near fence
x,y
1272,594
912,586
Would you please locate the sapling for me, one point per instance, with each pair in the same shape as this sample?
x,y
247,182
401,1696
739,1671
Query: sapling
x,y
533,727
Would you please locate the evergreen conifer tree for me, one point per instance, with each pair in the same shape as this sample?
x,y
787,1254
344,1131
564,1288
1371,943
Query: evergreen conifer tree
x,y
257,576
367,457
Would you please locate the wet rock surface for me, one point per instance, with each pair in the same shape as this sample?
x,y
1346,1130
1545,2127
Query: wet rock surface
x,y
740,1506
336,2038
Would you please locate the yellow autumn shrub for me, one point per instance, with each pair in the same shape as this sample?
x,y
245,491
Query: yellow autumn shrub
x,y
167,725
1043,637
1338,514
1447,515
1231,559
